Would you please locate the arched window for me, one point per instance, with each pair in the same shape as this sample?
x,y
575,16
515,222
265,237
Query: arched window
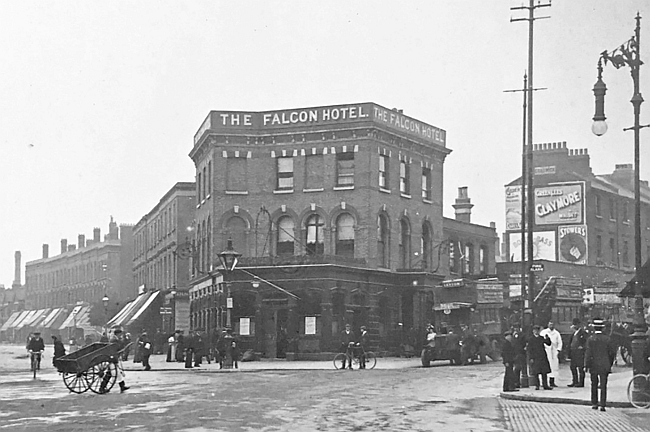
x,y
236,230
199,249
468,259
483,259
405,244
453,257
425,247
208,242
315,236
345,235
285,236
383,237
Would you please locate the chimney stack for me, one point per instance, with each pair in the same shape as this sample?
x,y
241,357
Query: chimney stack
x,y
17,257
64,245
71,247
81,241
46,250
463,206
97,235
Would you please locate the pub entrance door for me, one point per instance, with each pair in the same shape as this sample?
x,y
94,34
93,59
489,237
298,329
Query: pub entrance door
x,y
275,333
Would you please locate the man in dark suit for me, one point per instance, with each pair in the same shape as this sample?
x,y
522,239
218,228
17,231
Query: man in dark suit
x,y
599,357
539,364
577,342
364,340
347,337
508,356
519,346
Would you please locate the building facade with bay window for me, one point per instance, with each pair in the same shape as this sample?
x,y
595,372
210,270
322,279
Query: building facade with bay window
x,y
337,212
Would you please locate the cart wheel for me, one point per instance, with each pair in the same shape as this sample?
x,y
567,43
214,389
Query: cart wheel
x,y
76,382
102,376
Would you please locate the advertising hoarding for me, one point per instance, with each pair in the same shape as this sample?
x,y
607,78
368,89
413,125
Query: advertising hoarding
x,y
572,244
513,208
562,203
543,246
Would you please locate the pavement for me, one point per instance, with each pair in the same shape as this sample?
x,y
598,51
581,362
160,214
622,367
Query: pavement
x,y
616,390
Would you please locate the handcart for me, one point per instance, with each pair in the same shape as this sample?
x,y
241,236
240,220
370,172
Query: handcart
x,y
92,367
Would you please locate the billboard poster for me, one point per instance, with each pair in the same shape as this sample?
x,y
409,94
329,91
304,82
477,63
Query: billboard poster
x,y
513,208
543,246
562,203
572,244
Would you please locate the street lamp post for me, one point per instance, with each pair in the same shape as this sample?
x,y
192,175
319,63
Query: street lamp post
x,y
229,259
105,300
628,54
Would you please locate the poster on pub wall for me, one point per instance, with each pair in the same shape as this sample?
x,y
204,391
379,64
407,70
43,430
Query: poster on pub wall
x,y
513,208
561,203
572,244
543,246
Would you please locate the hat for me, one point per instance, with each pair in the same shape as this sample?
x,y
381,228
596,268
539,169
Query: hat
x,y
117,331
537,327
576,321
507,333
36,333
363,327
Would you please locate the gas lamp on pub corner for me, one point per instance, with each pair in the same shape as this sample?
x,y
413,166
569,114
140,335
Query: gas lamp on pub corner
x,y
229,259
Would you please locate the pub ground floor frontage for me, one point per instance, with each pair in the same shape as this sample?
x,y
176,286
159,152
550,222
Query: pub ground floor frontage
x,y
300,311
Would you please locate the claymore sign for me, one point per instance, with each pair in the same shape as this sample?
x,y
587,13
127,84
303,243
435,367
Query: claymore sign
x,y
239,121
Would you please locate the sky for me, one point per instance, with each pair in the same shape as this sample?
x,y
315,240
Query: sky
x,y
99,101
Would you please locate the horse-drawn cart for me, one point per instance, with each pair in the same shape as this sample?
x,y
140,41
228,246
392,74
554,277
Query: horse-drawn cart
x,y
92,367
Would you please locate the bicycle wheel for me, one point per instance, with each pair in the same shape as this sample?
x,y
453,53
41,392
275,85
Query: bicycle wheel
x,y
371,360
340,360
34,365
638,391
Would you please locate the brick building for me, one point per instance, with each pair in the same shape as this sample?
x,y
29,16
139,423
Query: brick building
x,y
83,272
341,206
157,265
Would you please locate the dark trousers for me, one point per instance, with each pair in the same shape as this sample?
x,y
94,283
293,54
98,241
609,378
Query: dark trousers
x,y
596,381
544,381
577,373
509,377
188,357
145,362
517,370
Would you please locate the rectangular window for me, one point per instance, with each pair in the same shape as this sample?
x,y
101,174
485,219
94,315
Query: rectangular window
x,y
198,187
599,247
284,173
426,183
626,255
345,169
314,170
598,205
383,171
626,216
236,175
404,181
612,251
612,209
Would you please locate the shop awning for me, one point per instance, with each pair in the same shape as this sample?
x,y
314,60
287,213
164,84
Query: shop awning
x,y
26,319
70,321
451,306
12,318
134,309
51,317
38,318
628,291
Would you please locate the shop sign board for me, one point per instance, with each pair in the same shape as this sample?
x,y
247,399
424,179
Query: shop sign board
x,y
489,293
543,246
561,203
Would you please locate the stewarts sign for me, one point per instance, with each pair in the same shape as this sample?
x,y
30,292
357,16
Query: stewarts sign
x,y
239,121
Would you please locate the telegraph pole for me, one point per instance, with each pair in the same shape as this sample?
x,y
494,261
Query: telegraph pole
x,y
529,148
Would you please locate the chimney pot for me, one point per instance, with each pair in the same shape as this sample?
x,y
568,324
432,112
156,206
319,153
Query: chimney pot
x,y
64,245
46,250
463,205
97,235
81,241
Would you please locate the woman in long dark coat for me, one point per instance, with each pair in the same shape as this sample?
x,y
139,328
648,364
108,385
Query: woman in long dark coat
x,y
539,364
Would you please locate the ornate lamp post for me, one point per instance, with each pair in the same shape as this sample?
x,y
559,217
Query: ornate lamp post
x,y
628,54
105,300
229,259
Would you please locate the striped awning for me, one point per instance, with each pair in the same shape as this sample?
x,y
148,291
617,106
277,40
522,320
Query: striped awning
x,y
134,309
26,319
12,318
70,321
38,318
51,317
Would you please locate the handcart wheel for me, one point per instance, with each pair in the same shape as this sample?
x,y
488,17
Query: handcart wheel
x,y
102,375
76,382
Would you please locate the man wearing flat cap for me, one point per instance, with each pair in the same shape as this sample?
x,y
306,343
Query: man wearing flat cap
x,y
600,353
577,342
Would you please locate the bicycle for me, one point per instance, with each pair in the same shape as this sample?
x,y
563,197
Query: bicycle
x,y
353,355
35,359
638,391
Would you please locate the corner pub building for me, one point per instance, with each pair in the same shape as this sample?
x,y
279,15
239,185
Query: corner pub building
x,y
340,206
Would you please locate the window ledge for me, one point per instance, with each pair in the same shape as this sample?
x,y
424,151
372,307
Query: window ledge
x,y
612,220
403,195
627,222
203,201
236,192
283,191
381,189
427,201
208,197
198,205
340,188
598,216
314,190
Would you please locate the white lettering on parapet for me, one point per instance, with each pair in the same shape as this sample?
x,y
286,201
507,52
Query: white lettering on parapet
x,y
292,117
236,119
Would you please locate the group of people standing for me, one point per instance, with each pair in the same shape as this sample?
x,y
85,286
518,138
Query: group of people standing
x,y
196,346
591,352
354,346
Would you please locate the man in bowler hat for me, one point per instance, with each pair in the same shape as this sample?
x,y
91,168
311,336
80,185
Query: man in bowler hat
x,y
577,342
600,353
